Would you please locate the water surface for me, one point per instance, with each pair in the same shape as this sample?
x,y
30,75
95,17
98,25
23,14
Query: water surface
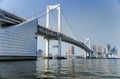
x,y
61,69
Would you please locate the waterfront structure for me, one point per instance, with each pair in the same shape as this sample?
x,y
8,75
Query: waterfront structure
x,y
19,41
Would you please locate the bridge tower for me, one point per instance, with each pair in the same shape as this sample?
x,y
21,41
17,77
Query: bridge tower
x,y
87,42
49,8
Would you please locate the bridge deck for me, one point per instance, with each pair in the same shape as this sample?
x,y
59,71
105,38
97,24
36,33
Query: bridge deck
x,y
8,19
50,34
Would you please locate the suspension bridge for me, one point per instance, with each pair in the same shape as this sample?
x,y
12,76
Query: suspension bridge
x,y
8,19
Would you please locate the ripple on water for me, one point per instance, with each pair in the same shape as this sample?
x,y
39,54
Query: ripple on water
x,y
61,69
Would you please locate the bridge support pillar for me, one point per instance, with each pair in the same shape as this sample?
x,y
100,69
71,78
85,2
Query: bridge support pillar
x,y
59,50
89,54
47,48
59,47
47,56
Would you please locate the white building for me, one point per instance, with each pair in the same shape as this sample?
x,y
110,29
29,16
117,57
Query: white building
x,y
19,41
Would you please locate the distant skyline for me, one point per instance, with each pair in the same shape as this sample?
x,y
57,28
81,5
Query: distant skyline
x,y
98,20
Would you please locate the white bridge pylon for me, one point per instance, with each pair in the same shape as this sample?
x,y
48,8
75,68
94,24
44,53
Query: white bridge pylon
x,y
49,8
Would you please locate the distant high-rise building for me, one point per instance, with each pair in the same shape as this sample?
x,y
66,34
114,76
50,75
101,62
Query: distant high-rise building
x,y
113,51
108,48
71,50
94,48
105,50
99,49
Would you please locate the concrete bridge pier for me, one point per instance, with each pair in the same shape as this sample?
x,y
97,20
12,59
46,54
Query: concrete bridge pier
x,y
47,48
59,50
59,47
89,54
47,56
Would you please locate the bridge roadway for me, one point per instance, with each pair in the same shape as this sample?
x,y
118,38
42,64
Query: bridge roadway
x,y
8,19
50,34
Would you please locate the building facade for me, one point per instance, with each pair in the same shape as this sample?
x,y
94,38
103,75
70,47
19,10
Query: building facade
x,y
71,50
99,51
94,48
19,40
108,48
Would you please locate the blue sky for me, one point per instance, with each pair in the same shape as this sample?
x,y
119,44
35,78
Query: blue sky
x,y
98,20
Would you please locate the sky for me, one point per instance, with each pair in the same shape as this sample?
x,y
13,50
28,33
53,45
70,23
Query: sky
x,y
98,20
